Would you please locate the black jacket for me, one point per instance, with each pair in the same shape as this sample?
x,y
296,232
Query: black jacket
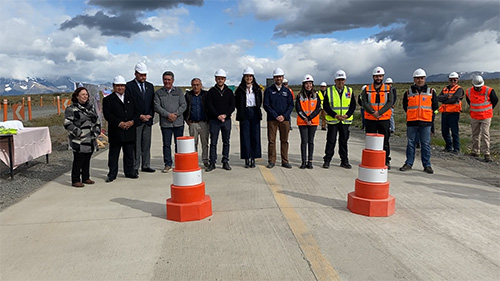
x,y
189,96
116,111
219,102
241,101
144,105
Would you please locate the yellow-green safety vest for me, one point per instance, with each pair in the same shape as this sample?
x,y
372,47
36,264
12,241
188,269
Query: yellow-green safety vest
x,y
338,104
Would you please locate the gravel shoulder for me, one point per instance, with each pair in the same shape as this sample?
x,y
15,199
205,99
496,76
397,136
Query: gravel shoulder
x,y
31,176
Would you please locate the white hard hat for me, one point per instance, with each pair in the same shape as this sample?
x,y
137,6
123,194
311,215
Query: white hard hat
x,y
285,80
378,71
278,72
141,68
340,74
119,80
453,75
220,73
323,84
248,70
388,80
308,78
478,81
419,72
364,87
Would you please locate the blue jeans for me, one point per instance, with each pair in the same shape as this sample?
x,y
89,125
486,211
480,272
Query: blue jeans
x,y
392,126
415,134
449,121
166,134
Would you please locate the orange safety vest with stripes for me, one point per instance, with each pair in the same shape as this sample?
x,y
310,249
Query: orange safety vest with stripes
x,y
308,105
451,107
385,91
480,103
419,106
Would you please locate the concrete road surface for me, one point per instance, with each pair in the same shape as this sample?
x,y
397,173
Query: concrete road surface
x,y
267,224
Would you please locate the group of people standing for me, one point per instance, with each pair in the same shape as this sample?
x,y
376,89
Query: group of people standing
x,y
130,110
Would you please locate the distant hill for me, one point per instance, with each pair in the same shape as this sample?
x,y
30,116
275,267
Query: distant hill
x,y
32,86
463,76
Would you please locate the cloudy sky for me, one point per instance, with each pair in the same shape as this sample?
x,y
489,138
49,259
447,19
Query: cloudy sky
x,y
95,40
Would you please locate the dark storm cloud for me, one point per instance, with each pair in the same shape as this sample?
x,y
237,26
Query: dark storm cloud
x,y
124,25
138,5
420,25
124,22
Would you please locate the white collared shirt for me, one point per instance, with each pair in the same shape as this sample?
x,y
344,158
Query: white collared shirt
x,y
250,97
121,97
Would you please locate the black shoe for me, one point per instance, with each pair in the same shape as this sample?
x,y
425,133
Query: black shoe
x,y
428,170
326,165
447,150
109,179
303,165
132,176
148,170
206,164
247,163
252,163
388,164
270,165
309,165
226,166
345,165
323,129
405,167
455,152
286,165
210,167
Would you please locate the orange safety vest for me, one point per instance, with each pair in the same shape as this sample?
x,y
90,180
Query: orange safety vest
x,y
308,105
452,107
480,103
419,106
385,91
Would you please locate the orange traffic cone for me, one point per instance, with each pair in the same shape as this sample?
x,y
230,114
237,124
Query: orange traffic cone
x,y
371,193
188,202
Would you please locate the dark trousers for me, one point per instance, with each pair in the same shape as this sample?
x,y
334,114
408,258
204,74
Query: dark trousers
x,y
143,146
307,142
225,129
250,135
343,130
166,134
81,166
380,127
284,129
449,121
128,158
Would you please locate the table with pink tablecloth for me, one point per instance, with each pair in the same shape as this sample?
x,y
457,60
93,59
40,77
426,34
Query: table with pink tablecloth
x,y
28,144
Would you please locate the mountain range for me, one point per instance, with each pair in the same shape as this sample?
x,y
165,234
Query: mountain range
x,y
64,84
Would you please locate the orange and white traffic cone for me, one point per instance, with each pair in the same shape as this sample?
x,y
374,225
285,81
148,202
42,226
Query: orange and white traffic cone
x,y
188,201
371,193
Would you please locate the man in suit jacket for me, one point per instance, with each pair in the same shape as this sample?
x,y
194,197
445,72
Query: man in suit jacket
x,y
142,93
119,110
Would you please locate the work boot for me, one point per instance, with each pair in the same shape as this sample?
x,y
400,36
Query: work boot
x,y
226,166
210,167
247,163
309,165
326,164
346,165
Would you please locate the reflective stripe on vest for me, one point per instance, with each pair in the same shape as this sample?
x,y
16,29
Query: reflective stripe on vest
x,y
385,91
480,104
308,106
339,104
419,106
451,107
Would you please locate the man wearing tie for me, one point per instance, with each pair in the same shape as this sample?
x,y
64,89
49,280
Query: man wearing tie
x,y
142,92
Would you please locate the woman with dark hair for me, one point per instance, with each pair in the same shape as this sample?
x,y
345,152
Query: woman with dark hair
x,y
84,126
308,107
248,100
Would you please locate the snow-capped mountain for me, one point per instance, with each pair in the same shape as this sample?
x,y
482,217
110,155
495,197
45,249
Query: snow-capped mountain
x,y
33,85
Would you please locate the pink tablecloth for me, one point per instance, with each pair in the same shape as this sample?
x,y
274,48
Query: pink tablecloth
x,y
29,143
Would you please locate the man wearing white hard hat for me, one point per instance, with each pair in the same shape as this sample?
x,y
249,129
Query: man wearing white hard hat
x,y
142,92
482,101
170,104
248,100
321,95
419,103
377,99
339,104
219,106
451,107
392,124
278,103
120,112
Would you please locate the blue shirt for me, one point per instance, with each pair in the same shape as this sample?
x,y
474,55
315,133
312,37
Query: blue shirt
x,y
197,113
